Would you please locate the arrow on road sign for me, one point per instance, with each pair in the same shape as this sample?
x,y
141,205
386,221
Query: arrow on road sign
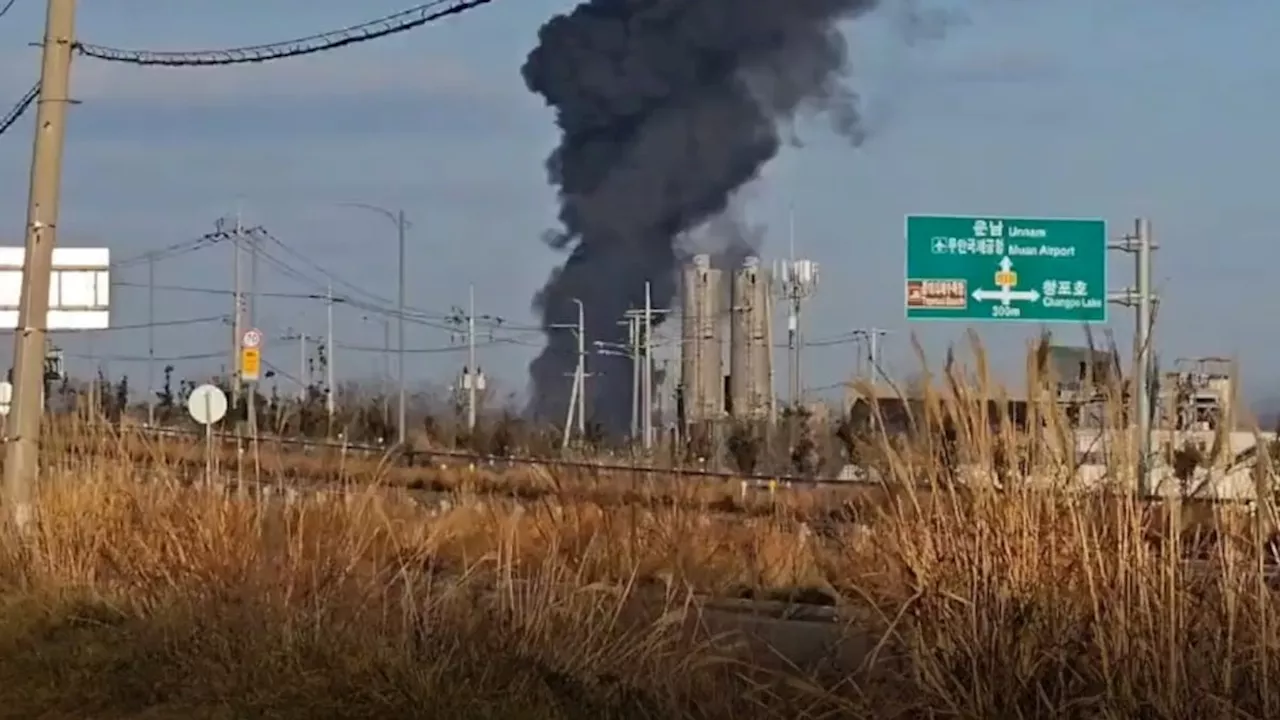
x,y
1005,280
1006,295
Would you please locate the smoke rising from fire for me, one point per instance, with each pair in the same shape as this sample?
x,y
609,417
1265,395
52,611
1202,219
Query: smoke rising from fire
x,y
666,108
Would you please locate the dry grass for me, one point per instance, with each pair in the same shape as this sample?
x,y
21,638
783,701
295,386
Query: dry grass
x,y
151,598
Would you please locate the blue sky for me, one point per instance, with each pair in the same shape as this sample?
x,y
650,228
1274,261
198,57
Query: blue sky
x,y
1090,108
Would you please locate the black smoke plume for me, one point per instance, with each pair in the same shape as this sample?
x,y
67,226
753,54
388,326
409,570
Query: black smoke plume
x,y
666,108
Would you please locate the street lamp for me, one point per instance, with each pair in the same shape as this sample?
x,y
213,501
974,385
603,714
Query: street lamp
x,y
402,225
384,376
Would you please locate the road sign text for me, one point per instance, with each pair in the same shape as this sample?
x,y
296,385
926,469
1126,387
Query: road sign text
x,y
1037,270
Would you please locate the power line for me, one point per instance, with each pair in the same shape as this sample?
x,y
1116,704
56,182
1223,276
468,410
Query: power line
x,y
433,350
7,7
420,317
351,287
21,107
177,249
374,29
223,292
165,323
147,358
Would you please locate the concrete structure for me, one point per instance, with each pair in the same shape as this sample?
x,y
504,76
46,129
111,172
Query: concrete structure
x,y
750,346
701,341
1079,378
1199,395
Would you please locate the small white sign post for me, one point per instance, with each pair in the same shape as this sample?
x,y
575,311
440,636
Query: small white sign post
x,y
207,406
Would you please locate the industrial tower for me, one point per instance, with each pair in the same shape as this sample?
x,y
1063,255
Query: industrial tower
x,y
750,344
701,346
797,282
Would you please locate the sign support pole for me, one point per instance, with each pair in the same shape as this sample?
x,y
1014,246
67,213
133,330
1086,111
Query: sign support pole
x,y
1143,299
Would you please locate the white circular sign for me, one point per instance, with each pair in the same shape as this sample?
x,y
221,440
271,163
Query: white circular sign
x,y
207,404
252,338
6,397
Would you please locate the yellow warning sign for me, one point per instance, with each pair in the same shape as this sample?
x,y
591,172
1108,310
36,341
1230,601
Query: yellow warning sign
x,y
250,364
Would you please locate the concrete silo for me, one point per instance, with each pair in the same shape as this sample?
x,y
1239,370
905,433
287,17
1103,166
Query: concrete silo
x,y
750,354
701,345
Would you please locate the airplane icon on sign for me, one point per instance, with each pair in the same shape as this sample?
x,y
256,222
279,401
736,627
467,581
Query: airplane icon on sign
x,y
939,245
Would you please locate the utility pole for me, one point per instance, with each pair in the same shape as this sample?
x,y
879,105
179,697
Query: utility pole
x,y
872,335
646,424
304,378
633,351
473,373
798,279
237,325
402,226
577,402
385,383
22,452
252,302
151,340
1140,244
582,370
331,400
251,406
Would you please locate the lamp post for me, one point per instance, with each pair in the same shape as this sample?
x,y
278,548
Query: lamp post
x,y
402,225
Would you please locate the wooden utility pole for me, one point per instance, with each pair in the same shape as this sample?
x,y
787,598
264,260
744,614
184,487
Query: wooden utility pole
x,y
23,443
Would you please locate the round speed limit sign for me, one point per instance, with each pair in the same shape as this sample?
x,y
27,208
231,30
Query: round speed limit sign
x,y
252,338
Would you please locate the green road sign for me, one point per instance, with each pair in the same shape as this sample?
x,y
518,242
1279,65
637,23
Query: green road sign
x,y
1006,269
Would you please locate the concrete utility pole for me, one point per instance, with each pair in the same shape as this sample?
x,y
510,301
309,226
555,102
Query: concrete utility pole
x,y
331,392
582,369
151,339
251,406
22,452
575,415
633,352
237,313
872,335
646,424
1140,297
386,371
402,226
252,302
303,375
302,378
473,373
644,320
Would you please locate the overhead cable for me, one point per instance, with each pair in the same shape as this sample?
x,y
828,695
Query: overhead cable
x,y
19,109
7,7
410,19
148,358
432,350
171,251
352,288
166,323
413,316
222,291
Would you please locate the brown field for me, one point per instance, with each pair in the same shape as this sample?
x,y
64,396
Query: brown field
x,y
140,596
